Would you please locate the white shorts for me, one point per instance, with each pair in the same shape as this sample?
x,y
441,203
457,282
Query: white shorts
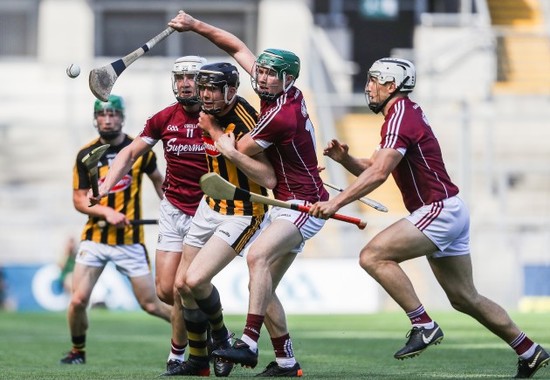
x,y
173,226
130,260
307,225
447,224
237,231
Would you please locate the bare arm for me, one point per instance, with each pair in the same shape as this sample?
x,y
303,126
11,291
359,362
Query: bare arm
x,y
120,166
256,167
340,153
383,163
81,204
226,41
246,144
158,179
253,163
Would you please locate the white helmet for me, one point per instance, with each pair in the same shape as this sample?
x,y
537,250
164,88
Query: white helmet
x,y
189,64
397,70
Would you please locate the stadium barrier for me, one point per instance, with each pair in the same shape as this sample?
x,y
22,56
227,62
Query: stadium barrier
x,y
311,286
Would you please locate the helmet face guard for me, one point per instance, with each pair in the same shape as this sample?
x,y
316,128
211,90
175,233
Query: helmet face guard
x,y
222,76
284,63
188,65
385,70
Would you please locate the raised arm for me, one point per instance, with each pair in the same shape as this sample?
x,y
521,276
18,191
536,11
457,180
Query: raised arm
x,y
226,41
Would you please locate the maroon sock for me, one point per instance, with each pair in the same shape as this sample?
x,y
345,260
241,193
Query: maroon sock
x,y
419,315
176,349
521,344
253,326
283,346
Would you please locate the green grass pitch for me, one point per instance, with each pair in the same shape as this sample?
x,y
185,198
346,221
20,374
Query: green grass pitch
x,y
133,345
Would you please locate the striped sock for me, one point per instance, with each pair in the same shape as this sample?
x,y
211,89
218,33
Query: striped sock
x,y
420,318
176,351
523,346
79,343
284,352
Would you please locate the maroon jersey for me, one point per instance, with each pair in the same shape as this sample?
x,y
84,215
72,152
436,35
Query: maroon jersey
x,y
184,153
286,133
420,175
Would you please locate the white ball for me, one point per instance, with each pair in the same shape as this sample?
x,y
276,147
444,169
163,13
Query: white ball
x,y
73,70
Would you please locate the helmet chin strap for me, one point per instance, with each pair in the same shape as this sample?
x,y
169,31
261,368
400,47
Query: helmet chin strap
x,y
212,111
377,107
187,101
290,84
266,95
226,101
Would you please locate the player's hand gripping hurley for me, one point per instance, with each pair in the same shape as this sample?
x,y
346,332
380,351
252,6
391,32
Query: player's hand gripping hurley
x,y
102,79
218,188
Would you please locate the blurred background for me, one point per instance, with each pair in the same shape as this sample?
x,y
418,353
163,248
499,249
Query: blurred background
x,y
483,80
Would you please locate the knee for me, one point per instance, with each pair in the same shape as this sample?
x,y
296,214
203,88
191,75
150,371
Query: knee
x,y
78,302
150,307
254,260
192,282
165,294
462,302
195,281
180,286
367,259
458,304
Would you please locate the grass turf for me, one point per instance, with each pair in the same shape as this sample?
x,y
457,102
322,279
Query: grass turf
x,y
123,345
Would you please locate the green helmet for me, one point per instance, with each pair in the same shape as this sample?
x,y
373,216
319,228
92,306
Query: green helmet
x,y
282,61
114,103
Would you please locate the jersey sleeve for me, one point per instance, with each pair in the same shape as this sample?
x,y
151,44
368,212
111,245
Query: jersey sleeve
x,y
152,130
399,135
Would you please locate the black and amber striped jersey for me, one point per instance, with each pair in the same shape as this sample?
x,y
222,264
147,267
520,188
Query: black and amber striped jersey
x,y
240,120
124,197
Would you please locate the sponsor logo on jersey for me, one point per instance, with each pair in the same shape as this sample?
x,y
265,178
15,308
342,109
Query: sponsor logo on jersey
x,y
209,146
173,147
121,185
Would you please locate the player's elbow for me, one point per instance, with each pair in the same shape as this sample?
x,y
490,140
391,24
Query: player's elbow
x,y
270,183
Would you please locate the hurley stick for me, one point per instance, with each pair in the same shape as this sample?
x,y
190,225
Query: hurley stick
x,y
369,202
135,222
102,79
218,188
91,160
